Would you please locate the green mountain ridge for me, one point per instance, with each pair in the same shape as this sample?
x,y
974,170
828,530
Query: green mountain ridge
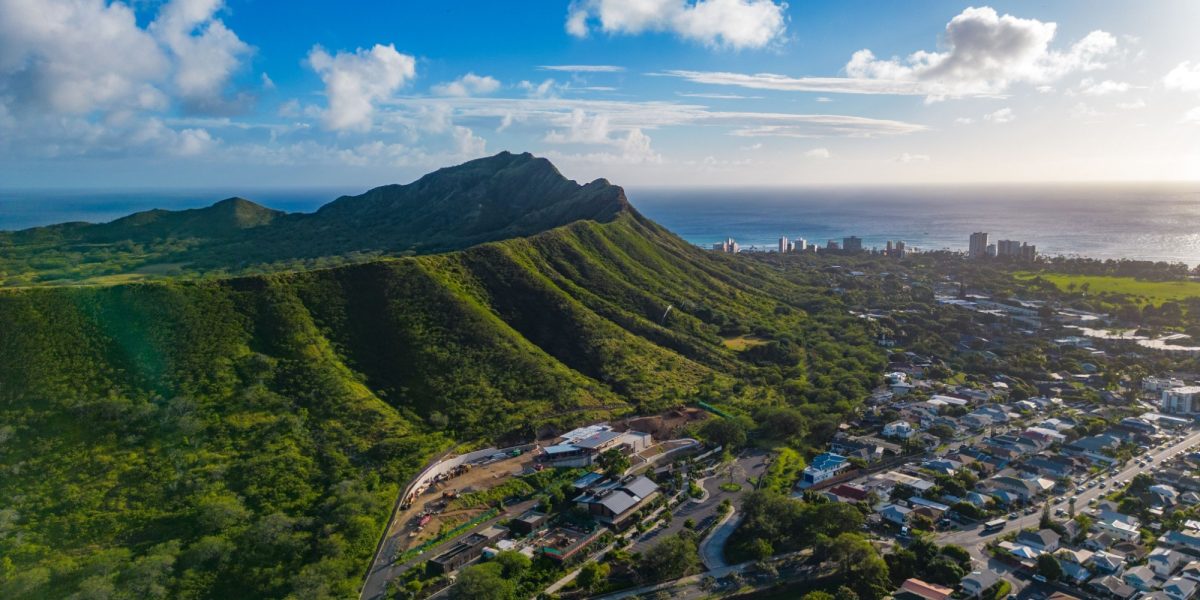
x,y
498,197
245,437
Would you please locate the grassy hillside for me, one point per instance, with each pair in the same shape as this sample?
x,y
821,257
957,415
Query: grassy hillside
x,y
244,438
1142,291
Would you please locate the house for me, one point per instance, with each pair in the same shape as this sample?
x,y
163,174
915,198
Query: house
x,y
847,492
899,429
581,447
915,589
1074,564
1167,495
1119,527
1106,563
528,522
1191,571
1140,577
895,513
1042,541
977,582
1183,539
1111,587
1164,561
1179,588
1023,489
465,550
616,503
1054,467
823,466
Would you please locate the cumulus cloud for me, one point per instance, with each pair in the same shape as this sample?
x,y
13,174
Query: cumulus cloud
x,y
583,68
1134,105
726,23
206,52
546,89
76,57
193,142
1192,117
820,153
1085,112
1185,77
356,81
984,54
1004,115
468,85
579,128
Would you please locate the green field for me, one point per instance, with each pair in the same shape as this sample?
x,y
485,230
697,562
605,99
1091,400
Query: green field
x,y
1146,292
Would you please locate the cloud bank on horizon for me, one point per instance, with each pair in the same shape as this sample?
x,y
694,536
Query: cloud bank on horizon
x,y
657,92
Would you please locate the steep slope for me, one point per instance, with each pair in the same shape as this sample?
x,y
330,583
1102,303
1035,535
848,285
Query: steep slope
x,y
243,438
494,198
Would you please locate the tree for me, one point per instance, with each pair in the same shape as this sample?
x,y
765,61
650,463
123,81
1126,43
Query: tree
x,y
818,595
512,563
1049,568
614,462
484,582
729,433
592,574
675,556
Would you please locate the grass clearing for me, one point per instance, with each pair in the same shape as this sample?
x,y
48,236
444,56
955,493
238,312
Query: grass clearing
x,y
743,342
1144,291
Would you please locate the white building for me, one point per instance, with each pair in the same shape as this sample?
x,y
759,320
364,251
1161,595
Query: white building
x,y
1181,400
1158,384
899,429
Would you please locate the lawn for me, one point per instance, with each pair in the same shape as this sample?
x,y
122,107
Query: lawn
x,y
1152,292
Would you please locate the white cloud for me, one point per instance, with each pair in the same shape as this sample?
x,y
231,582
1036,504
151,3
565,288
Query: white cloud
x,y
912,158
267,83
823,99
193,142
1185,77
76,57
1004,115
468,85
561,115
727,23
1134,105
581,129
207,53
1192,117
355,82
583,68
1090,87
719,96
468,144
964,120
985,54
819,153
546,89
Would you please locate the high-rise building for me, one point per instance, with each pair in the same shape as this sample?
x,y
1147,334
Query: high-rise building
x,y
979,244
900,248
729,246
1028,252
991,251
852,244
1008,248
801,244
890,250
783,245
833,245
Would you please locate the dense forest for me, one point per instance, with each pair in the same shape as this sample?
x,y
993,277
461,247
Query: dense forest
x,y
245,437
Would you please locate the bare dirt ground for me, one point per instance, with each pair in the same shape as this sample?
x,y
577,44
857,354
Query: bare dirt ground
x,y
478,478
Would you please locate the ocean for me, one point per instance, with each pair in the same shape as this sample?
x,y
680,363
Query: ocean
x,y
1143,222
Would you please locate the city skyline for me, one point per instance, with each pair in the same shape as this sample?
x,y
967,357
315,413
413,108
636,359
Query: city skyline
x,y
709,92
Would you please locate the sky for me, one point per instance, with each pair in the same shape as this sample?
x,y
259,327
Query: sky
x,y
221,93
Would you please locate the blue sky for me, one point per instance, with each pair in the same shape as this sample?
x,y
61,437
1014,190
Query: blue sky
x,y
187,93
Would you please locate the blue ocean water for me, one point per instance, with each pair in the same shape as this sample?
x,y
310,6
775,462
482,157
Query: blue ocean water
x,y
1145,222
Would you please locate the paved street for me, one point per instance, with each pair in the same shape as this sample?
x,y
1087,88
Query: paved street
x,y
974,540
745,469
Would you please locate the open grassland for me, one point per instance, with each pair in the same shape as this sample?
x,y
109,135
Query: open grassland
x,y
743,342
1143,291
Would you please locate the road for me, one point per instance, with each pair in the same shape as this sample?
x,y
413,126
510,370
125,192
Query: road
x,y
974,540
745,470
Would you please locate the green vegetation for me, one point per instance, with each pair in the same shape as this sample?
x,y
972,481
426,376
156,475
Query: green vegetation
x,y
774,523
246,437
783,472
730,487
1143,290
521,487
926,561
